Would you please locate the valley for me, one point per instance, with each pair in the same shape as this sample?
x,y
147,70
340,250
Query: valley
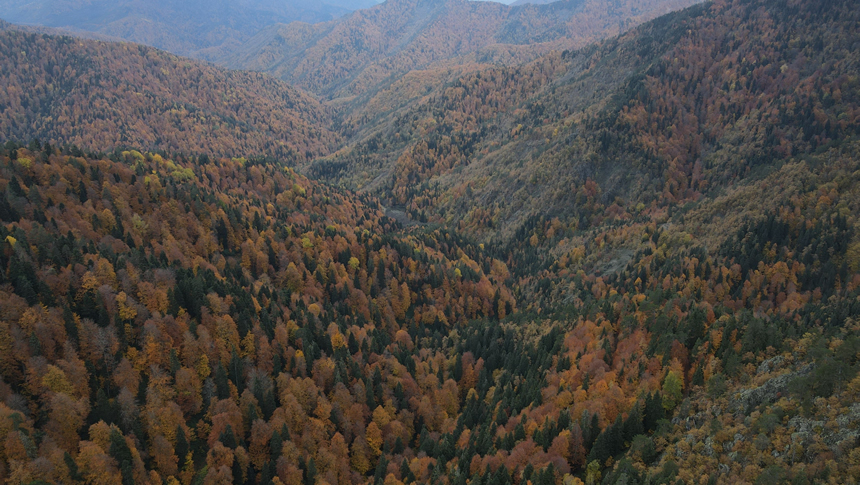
x,y
437,242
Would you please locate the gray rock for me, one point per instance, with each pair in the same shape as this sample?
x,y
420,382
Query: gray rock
x,y
770,365
709,447
846,434
767,392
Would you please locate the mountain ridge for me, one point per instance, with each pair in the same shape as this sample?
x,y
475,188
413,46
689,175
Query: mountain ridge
x,y
204,30
454,28
476,130
637,262
167,102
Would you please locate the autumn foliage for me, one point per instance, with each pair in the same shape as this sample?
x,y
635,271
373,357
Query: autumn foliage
x,y
178,316
105,95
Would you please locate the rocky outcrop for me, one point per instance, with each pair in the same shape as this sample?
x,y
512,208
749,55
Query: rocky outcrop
x,y
768,392
845,434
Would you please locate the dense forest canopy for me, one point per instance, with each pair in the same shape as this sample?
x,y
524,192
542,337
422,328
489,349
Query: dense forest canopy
x,y
104,95
672,110
637,262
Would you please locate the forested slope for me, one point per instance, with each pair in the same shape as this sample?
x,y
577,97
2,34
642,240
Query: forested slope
x,y
230,321
102,95
370,48
138,292
641,264
692,101
193,28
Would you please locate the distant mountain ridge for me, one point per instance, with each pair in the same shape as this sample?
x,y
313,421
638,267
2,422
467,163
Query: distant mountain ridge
x,y
196,28
535,2
357,53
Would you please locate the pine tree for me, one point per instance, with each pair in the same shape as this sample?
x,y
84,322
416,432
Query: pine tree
x,y
311,473
276,445
228,438
633,424
182,448
82,192
120,451
699,376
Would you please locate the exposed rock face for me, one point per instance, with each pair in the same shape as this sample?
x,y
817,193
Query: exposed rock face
x,y
770,391
847,432
770,365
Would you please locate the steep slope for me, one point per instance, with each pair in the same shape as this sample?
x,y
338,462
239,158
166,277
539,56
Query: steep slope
x,y
101,95
679,107
261,325
362,51
236,275
202,29
668,289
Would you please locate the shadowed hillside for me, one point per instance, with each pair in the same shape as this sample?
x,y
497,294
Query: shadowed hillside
x,y
102,95
672,110
361,51
201,29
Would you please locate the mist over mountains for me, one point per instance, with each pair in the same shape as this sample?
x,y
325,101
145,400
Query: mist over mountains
x,y
341,47
366,50
196,28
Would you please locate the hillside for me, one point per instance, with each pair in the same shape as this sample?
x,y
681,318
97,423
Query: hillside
x,y
369,48
198,29
102,95
232,273
675,109
262,326
633,263
218,320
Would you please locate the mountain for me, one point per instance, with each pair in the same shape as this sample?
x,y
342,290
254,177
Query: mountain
x,y
661,114
38,29
367,49
637,262
353,4
100,95
192,260
201,29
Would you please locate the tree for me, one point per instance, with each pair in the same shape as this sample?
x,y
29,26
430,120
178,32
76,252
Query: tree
x,y
673,389
374,439
67,417
164,456
359,456
120,451
592,473
96,466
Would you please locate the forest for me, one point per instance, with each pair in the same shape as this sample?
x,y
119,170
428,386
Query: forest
x,y
364,52
656,281
105,95
201,320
